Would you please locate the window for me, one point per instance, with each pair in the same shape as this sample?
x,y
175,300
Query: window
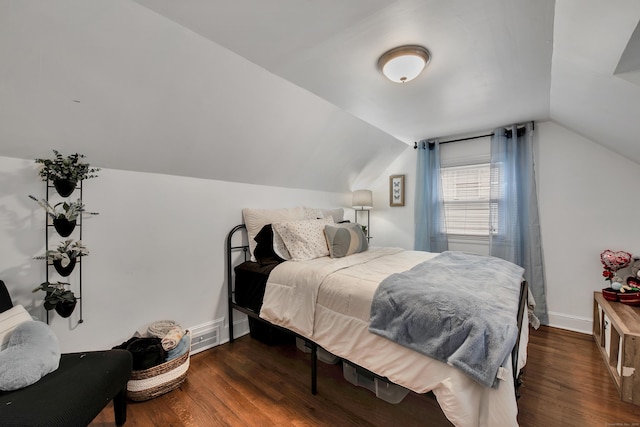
x,y
467,200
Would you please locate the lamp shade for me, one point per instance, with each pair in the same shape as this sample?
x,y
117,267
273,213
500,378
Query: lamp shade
x,y
362,199
405,63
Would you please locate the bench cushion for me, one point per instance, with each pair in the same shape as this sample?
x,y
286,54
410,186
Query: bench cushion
x,y
72,395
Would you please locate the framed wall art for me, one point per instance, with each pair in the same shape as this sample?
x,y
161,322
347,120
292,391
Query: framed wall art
x,y
396,190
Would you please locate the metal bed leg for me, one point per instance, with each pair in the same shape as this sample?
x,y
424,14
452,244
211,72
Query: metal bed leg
x,y
230,323
314,368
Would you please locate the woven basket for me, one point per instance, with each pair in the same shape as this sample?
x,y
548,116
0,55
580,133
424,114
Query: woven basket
x,y
158,380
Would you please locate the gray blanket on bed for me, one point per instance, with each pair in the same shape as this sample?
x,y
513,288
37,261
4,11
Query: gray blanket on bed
x,y
458,308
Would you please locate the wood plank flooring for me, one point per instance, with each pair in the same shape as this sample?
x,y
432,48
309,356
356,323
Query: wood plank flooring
x,y
249,383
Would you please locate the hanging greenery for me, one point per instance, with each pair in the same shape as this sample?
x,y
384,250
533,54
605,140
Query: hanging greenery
x,y
70,168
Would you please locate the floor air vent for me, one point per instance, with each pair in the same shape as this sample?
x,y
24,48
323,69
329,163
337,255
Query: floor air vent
x,y
205,336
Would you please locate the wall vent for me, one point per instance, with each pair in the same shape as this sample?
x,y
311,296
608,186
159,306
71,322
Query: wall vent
x,y
205,336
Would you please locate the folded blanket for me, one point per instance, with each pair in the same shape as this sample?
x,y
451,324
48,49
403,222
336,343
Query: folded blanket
x,y
457,308
172,338
180,349
160,328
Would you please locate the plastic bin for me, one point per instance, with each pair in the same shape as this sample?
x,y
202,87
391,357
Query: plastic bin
x,y
385,390
323,355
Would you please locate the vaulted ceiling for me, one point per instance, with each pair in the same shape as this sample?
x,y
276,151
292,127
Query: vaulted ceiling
x,y
286,92
485,54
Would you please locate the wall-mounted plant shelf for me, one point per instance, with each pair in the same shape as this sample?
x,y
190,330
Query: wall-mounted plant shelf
x,y
71,273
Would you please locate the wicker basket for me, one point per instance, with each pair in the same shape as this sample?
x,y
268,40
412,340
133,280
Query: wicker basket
x,y
158,380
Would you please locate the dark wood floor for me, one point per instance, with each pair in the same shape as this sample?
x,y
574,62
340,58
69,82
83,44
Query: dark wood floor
x,y
249,383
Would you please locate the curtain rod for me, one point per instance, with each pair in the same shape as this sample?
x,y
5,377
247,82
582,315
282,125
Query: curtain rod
x,y
415,144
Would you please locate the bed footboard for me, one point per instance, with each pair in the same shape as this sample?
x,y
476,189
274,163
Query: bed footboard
x,y
522,306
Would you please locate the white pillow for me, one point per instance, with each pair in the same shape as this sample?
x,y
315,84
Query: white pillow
x,y
279,247
33,351
255,219
304,239
9,320
316,213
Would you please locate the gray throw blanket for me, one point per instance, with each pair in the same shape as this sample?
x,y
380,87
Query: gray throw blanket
x,y
457,308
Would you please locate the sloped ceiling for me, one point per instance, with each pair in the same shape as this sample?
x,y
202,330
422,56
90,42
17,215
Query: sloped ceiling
x,y
286,92
491,59
135,91
588,95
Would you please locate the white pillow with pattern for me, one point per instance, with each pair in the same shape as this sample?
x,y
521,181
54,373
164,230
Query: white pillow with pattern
x,y
304,239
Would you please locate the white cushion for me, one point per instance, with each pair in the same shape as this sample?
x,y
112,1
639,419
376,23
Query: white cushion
x,y
316,213
9,320
255,219
304,239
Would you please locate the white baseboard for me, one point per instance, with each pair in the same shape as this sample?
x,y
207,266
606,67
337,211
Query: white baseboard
x,y
240,328
206,335
571,323
557,320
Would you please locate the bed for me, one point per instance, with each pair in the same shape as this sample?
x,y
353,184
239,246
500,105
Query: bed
x,y
333,301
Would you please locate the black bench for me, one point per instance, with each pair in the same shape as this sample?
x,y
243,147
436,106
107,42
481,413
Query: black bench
x,y
72,395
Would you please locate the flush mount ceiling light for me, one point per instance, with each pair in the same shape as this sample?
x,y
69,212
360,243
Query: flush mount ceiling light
x,y
404,63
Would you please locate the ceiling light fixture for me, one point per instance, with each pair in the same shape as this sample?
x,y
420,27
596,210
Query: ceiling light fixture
x,y
404,63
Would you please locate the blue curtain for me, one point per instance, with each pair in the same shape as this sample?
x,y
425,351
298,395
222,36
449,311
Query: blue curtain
x,y
514,208
431,233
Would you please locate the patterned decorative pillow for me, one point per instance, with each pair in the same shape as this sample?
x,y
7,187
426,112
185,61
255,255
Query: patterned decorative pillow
x,y
304,239
345,239
280,248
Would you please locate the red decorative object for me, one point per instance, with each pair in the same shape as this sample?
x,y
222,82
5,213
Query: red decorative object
x,y
632,281
609,294
608,274
614,261
629,298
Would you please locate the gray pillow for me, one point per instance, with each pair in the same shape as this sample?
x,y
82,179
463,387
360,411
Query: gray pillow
x,y
33,351
345,239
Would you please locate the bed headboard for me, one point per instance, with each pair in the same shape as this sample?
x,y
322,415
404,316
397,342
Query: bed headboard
x,y
232,248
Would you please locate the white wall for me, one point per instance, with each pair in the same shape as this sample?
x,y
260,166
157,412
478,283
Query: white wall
x,y
157,247
109,77
394,226
587,204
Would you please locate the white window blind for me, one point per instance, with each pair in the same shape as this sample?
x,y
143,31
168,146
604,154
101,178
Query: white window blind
x,y
467,199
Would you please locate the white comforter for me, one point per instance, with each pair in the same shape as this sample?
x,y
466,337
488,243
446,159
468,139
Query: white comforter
x,y
328,301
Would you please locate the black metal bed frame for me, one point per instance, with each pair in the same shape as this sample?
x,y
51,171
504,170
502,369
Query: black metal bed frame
x,y
232,305
522,306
